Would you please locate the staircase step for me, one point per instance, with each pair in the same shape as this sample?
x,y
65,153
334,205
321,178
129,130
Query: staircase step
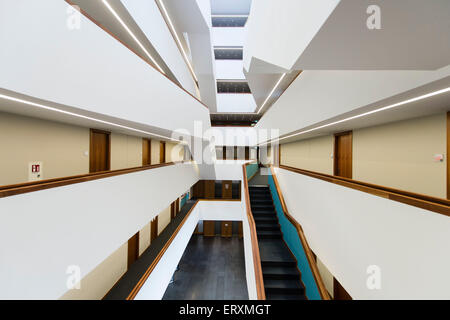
x,y
258,188
285,296
262,201
269,234
277,272
283,286
262,207
266,263
268,219
267,226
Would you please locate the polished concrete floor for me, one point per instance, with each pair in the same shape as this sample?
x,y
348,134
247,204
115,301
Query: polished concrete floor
x,y
211,268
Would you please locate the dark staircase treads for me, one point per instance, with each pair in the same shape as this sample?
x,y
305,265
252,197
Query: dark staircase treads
x,y
281,296
283,286
282,280
269,234
280,272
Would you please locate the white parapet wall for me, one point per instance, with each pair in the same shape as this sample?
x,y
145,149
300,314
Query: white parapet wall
x,y
375,247
53,53
45,232
156,284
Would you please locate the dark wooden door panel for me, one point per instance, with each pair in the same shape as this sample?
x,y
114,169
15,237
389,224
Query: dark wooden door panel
x,y
133,249
172,211
227,229
227,189
162,152
210,189
154,229
247,153
99,155
343,155
209,228
146,152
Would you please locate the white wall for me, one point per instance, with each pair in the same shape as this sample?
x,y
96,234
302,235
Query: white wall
x,y
346,91
229,69
228,37
350,230
49,230
148,17
272,24
156,285
235,102
234,136
43,58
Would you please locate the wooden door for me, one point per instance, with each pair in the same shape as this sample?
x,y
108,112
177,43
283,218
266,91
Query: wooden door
x,y
227,189
99,154
133,249
154,229
210,189
172,211
227,229
247,153
209,228
224,152
146,152
162,152
343,154
235,153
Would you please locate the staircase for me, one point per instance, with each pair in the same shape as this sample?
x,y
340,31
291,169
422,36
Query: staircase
x,y
282,280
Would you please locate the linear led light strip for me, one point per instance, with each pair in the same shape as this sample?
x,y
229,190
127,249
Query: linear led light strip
x,y
132,35
174,32
83,117
398,104
271,93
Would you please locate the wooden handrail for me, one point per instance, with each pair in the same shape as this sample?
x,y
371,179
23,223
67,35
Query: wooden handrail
x,y
261,294
15,189
150,269
438,205
309,255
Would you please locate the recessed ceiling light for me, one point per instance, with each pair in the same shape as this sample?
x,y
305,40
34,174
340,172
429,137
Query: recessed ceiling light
x,y
114,13
174,32
398,104
271,92
38,105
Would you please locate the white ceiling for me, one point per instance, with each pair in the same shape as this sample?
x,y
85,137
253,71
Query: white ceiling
x,y
414,35
230,7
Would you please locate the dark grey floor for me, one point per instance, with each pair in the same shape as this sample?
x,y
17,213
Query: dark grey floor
x,y
212,268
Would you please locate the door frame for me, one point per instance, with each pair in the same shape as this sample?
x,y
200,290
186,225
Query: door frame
x,y
335,138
